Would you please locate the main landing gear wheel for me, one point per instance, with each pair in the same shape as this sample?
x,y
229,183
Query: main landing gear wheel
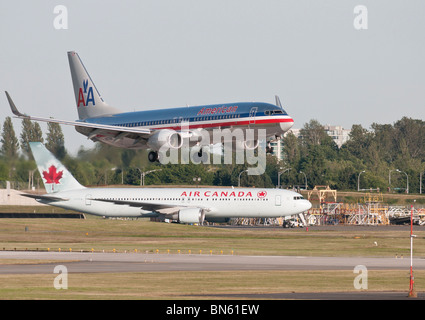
x,y
269,149
200,156
153,156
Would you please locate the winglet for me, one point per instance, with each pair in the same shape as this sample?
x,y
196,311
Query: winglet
x,y
43,197
13,107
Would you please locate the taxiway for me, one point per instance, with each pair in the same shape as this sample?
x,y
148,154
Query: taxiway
x,y
140,262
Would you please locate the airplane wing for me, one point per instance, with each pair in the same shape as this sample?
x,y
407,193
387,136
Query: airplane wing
x,y
43,197
98,129
155,207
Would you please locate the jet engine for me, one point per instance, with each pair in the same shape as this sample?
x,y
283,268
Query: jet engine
x,y
247,145
169,139
191,215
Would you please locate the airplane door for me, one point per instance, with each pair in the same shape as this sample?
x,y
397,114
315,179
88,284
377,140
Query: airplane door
x,y
252,114
88,200
278,201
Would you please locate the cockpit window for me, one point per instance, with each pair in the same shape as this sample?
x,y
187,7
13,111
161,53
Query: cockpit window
x,y
298,198
273,112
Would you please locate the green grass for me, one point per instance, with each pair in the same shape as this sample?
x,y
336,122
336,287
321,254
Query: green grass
x,y
197,285
143,235
33,209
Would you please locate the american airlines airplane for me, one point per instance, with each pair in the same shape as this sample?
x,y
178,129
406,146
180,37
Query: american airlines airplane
x,y
154,129
185,205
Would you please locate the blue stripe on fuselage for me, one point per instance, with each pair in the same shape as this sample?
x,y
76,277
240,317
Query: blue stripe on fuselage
x,y
191,114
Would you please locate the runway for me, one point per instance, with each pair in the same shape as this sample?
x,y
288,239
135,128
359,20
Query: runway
x,y
138,262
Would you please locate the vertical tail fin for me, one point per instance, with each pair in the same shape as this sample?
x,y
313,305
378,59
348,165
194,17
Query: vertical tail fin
x,y
89,101
55,176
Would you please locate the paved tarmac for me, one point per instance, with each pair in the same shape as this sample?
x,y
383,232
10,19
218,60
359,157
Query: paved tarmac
x,y
138,262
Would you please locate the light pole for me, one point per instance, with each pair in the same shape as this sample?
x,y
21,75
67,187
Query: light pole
x,y
31,179
305,177
143,174
420,182
412,292
197,180
358,180
407,183
106,174
278,176
239,178
122,174
389,179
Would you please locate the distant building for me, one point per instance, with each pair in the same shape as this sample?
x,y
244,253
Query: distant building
x,y
337,133
277,149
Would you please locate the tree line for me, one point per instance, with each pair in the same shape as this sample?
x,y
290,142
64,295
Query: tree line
x,y
369,159
366,160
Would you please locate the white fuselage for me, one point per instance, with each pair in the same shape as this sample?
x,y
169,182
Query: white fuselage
x,y
216,202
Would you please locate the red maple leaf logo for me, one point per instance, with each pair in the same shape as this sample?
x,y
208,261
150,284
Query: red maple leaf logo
x,y
261,194
52,176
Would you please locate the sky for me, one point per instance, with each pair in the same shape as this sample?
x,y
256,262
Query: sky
x,y
153,54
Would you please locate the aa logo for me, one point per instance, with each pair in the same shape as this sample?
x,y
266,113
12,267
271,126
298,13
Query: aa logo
x,y
85,96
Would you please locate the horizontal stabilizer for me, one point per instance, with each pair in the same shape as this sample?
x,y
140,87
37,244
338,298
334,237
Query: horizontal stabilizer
x,y
43,197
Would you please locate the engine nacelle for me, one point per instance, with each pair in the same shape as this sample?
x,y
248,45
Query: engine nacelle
x,y
199,137
169,139
191,215
247,145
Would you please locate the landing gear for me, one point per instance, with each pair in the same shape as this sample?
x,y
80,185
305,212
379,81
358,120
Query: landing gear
x,y
153,156
269,148
199,156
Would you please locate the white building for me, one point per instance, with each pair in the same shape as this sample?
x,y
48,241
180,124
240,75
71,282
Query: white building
x,y
277,149
337,133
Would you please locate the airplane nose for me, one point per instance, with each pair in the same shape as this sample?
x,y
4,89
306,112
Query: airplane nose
x,y
285,126
307,205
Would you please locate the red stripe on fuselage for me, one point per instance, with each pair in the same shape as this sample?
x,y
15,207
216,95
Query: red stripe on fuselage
x,y
193,125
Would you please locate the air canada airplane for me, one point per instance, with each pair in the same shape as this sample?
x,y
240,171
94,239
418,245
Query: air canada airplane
x,y
185,205
154,129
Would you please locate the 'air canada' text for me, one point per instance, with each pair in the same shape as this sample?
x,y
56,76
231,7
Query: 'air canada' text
x,y
209,193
